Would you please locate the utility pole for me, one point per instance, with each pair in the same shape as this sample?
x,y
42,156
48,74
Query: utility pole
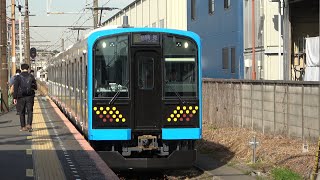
x,y
95,14
13,38
20,36
4,106
27,35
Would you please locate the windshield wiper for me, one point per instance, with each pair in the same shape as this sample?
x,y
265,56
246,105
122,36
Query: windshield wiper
x,y
176,93
114,98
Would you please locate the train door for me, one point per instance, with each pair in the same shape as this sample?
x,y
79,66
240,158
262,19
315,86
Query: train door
x,y
147,90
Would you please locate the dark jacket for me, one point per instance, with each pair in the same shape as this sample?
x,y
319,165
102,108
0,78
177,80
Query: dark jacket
x,y
17,94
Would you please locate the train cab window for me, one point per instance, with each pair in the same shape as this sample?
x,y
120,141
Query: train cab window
x,y
111,67
180,72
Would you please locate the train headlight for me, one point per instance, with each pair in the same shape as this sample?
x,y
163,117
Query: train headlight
x,y
186,45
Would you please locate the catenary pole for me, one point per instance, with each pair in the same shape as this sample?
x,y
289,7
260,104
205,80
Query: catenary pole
x,y
95,14
27,34
20,37
4,106
13,37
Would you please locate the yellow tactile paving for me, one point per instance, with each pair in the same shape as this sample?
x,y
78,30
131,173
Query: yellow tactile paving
x,y
46,163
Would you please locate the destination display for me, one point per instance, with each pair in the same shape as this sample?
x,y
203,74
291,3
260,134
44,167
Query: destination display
x,y
146,38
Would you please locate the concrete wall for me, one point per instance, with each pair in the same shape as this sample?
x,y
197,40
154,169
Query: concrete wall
x,y
153,13
287,108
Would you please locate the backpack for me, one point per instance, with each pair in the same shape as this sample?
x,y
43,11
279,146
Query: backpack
x,y
26,85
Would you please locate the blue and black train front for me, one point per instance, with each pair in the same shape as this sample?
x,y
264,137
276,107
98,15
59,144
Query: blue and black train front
x,y
144,97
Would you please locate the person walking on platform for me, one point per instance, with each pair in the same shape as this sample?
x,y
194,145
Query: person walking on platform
x,y
11,82
24,93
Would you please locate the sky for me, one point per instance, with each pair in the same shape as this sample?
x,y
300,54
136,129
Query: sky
x,y
80,17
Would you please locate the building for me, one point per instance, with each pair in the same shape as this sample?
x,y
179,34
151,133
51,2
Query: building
x,y
220,26
153,13
226,29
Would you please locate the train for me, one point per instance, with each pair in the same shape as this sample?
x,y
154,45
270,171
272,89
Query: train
x,y
134,93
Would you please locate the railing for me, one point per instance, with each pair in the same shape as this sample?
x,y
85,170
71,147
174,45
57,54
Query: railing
x,y
280,107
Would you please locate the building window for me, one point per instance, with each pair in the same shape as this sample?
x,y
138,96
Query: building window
x,y
211,6
226,4
233,60
225,58
154,24
193,9
161,23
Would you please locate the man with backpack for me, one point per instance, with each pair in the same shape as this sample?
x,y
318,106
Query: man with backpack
x,y
23,95
11,82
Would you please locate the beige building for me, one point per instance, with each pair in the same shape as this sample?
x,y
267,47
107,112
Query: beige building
x,y
153,13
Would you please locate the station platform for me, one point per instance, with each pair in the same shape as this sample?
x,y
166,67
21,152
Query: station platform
x,y
54,150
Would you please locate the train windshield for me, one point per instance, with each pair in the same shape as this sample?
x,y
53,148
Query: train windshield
x,y
180,73
111,67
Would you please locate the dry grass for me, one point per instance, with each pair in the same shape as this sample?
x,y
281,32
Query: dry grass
x,y
231,144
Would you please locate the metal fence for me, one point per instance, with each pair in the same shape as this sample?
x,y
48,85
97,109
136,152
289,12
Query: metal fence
x,y
280,107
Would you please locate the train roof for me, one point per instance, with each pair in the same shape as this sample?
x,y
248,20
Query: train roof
x,y
101,29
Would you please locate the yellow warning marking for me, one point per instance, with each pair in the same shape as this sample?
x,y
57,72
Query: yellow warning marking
x,y
29,151
46,162
29,172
